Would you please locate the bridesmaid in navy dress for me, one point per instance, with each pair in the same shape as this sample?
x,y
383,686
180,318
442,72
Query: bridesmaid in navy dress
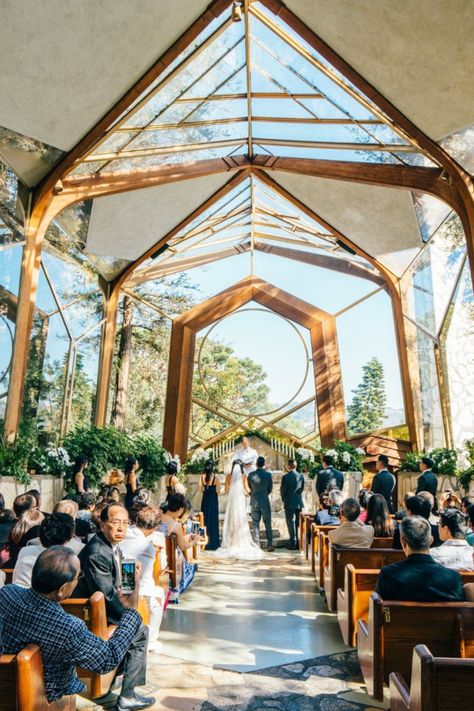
x,y
210,486
132,482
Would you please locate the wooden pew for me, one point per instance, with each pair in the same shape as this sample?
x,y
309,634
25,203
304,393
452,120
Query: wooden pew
x,y
94,614
22,683
338,558
8,575
353,599
315,531
171,547
385,643
306,521
437,684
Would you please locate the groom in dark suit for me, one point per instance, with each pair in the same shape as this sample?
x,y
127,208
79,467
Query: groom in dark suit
x,y
291,490
261,484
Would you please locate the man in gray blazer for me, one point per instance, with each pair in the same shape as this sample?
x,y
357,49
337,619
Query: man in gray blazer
x,y
261,484
291,490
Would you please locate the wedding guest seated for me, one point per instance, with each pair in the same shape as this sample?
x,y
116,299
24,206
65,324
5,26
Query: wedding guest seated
x,y
470,523
143,495
417,506
351,533
379,517
25,529
331,503
403,512
448,500
7,521
70,507
177,511
37,497
84,523
466,501
141,543
418,578
56,530
455,552
433,517
110,492
101,564
364,496
34,615
135,508
22,503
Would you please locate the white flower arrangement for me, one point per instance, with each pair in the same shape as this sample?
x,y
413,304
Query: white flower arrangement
x,y
305,453
360,452
346,457
199,454
332,453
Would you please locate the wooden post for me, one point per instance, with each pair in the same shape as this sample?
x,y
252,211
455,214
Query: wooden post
x,y
106,354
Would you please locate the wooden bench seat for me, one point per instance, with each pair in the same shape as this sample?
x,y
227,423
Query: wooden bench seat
x,y
353,598
22,683
338,558
386,641
8,575
437,684
92,611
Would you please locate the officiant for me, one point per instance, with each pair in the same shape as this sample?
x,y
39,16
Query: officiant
x,y
247,455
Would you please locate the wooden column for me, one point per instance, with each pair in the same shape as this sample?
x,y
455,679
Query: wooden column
x,y
179,390
106,355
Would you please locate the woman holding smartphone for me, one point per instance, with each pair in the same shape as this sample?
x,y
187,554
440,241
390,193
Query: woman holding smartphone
x,y
177,511
210,486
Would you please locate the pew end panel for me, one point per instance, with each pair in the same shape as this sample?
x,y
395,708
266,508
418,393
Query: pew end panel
x,y
353,600
93,612
437,684
394,628
22,683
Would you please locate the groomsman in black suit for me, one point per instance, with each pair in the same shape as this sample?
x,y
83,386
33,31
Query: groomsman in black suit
x,y
384,481
427,481
329,477
291,490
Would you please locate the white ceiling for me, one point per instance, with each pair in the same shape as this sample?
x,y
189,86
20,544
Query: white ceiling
x,y
381,221
417,53
127,224
64,63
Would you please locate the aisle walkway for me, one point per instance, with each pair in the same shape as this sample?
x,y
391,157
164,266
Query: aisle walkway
x,y
251,636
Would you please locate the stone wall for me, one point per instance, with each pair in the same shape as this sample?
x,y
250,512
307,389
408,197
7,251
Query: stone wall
x,y
407,482
51,489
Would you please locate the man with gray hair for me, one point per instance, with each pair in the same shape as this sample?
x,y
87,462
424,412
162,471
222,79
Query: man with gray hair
x,y
418,578
34,615
351,533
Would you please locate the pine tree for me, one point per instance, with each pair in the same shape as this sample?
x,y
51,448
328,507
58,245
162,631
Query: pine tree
x,y
366,412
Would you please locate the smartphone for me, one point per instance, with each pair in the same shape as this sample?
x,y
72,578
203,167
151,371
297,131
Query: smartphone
x,y
189,527
202,532
195,527
128,576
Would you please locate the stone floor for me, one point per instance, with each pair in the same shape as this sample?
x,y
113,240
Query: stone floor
x,y
250,636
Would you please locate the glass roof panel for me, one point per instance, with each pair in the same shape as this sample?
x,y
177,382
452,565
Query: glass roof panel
x,y
460,146
207,89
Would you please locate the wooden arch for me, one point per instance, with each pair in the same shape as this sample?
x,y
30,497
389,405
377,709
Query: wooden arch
x,y
325,353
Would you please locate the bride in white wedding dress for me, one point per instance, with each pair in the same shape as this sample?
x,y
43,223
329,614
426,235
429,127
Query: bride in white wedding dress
x,y
236,538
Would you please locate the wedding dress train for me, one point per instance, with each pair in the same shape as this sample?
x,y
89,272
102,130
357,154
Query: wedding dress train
x,y
236,538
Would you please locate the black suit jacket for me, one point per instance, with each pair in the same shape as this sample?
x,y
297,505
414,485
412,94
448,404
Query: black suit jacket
x,y
419,578
292,485
427,482
260,484
384,483
396,542
329,476
101,573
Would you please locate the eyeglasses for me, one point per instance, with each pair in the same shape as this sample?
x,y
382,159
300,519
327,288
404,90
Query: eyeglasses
x,y
119,523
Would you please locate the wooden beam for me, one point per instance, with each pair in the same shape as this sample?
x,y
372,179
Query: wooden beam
x,y
344,266
145,82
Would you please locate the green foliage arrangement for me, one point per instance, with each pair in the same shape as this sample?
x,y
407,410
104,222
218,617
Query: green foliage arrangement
x,y
106,447
445,461
467,475
14,459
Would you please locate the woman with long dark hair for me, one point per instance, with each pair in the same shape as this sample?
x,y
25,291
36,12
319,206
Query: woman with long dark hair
x,y
177,512
81,482
210,486
171,478
132,482
378,516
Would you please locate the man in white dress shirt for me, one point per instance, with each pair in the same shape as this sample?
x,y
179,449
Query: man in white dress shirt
x,y
141,544
247,455
57,530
